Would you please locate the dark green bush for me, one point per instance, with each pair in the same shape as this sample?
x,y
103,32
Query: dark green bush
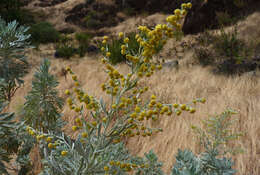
x,y
228,44
114,48
65,49
83,39
65,52
43,32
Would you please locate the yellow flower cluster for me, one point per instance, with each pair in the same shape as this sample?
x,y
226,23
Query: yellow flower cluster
x,y
130,107
83,98
178,14
45,138
128,167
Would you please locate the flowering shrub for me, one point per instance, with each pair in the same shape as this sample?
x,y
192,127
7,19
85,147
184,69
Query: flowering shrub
x,y
102,127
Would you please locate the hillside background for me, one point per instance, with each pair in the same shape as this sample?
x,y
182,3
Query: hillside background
x,y
239,90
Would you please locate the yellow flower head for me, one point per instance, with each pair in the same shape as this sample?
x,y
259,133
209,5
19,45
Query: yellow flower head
x,y
108,54
74,128
48,139
50,145
121,34
67,92
74,77
189,5
64,153
84,135
177,12
126,40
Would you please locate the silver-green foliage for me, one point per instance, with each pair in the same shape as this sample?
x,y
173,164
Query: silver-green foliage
x,y
214,138
13,64
14,140
6,136
205,164
43,105
87,159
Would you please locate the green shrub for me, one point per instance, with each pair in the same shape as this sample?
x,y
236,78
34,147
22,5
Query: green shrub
x,y
43,105
214,138
14,141
229,45
43,32
83,39
65,49
91,20
13,64
114,47
8,143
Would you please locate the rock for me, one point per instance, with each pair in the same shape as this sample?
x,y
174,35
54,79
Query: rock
x,y
56,54
67,30
171,64
47,3
203,14
92,48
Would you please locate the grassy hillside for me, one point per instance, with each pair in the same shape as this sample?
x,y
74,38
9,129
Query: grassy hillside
x,y
189,81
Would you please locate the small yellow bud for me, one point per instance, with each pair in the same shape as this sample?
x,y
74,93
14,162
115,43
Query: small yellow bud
x,y
108,54
48,139
153,97
106,168
68,69
121,34
178,112
84,135
175,105
50,145
183,106
74,77
104,119
192,110
177,12
126,40
67,92
64,153
74,128
189,5
203,100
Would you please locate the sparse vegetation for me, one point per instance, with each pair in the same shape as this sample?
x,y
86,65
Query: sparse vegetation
x,y
226,52
84,40
43,32
64,48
